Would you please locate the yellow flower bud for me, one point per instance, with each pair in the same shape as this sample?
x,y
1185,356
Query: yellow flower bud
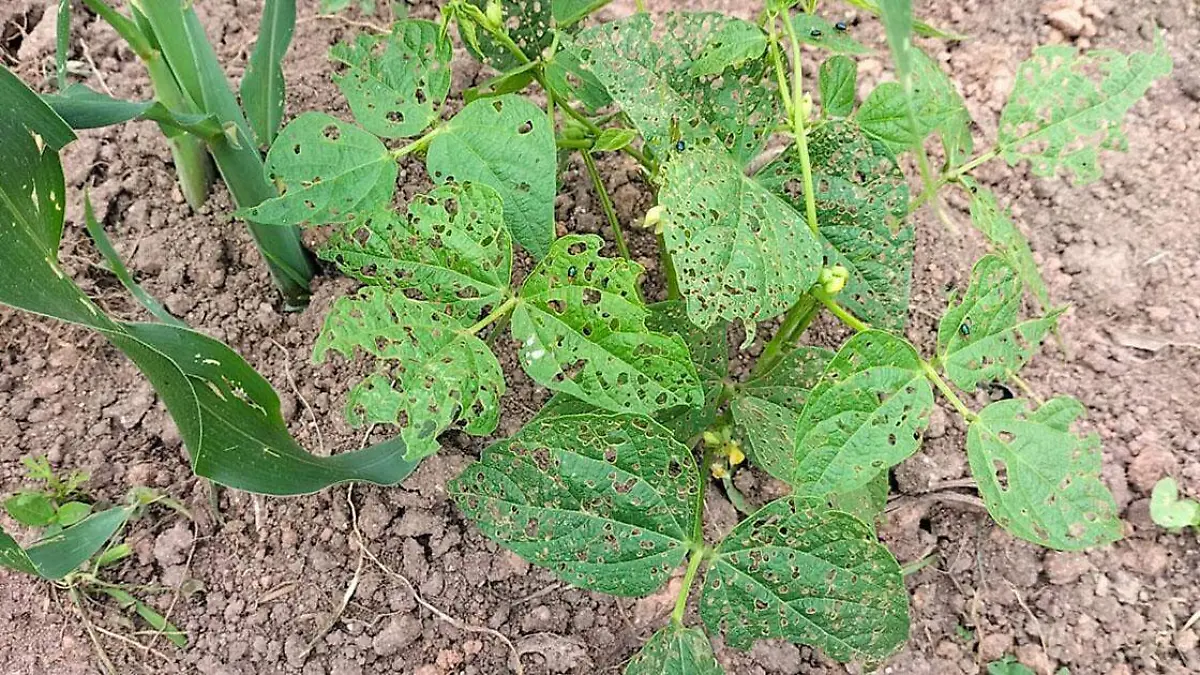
x,y
736,456
718,470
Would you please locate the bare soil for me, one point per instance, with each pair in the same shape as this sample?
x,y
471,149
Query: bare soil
x,y
269,575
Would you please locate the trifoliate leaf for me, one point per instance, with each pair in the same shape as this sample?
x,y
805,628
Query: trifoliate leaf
x,y
732,44
327,171
646,68
981,338
453,249
1065,107
434,373
866,415
816,31
506,143
799,571
528,24
740,252
606,502
675,650
582,331
767,408
395,83
709,349
838,81
861,195
1038,479
1006,240
1168,510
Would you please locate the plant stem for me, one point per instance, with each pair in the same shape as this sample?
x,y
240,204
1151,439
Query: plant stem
x,y
668,266
798,121
954,173
572,143
417,145
684,591
777,61
797,319
606,204
840,312
965,412
502,310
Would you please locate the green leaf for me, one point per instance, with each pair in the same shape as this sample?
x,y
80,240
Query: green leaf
x,y
919,27
866,414
606,502
897,18
866,503
113,555
84,108
582,331
732,44
1065,107
1168,510
32,509
1006,240
936,100
396,83
838,81
436,373
799,571
506,143
508,82
327,170
1040,481
57,555
529,25
567,78
262,85
816,31
767,408
452,249
709,350
646,67
981,339
675,650
613,139
1008,666
567,12
861,195
159,623
740,252
884,117
73,512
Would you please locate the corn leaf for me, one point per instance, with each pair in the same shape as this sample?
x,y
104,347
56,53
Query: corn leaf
x,y
262,85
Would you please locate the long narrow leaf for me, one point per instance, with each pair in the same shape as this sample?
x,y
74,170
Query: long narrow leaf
x,y
262,86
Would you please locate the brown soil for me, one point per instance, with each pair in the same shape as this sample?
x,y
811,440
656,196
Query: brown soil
x,y
1124,252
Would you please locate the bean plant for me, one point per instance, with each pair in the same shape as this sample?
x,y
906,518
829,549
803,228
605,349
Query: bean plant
x,y
778,196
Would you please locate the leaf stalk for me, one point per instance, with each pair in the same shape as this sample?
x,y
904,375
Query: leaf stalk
x,y
685,590
502,310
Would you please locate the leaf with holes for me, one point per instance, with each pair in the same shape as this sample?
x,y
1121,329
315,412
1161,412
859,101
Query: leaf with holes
x,y
799,571
866,503
606,502
582,330
981,339
528,24
506,143
937,106
327,171
646,68
1006,240
395,83
434,373
675,650
1038,479
866,414
861,196
732,44
740,252
818,32
567,78
1065,107
767,408
838,82
937,100
453,249
709,349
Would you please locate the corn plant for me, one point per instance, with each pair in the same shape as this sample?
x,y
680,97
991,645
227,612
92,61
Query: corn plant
x,y
199,113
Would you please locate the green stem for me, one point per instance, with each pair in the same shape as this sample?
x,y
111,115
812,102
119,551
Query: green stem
x,y
688,578
796,320
777,61
954,173
417,145
573,143
668,265
965,412
798,121
500,311
606,204
840,312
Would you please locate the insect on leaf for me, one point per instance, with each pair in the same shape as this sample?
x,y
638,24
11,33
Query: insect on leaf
x,y
675,650
709,349
1005,239
433,372
838,81
1038,479
262,85
1168,510
453,249
606,502
732,44
328,171
395,83
799,571
582,331
528,23
1065,107
866,415
506,143
814,30
981,338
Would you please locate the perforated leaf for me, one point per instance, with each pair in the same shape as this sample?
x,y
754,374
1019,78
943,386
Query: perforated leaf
x,y
395,83
866,415
709,349
767,408
981,338
816,31
866,503
453,249
675,650
740,252
938,101
861,196
506,143
1038,479
566,77
646,67
1065,107
582,331
1005,238
838,80
732,44
433,373
528,23
799,571
327,171
606,502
